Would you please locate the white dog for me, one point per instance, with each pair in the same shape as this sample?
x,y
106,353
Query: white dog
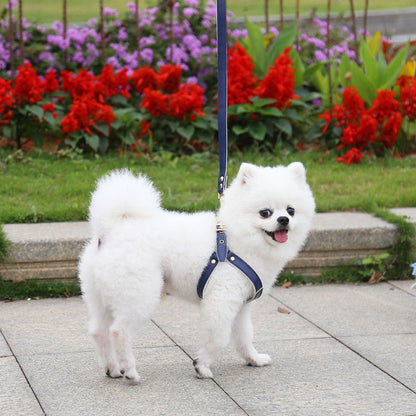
x,y
139,250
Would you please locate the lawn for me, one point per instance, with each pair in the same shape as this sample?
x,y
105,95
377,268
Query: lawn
x,y
48,188
47,11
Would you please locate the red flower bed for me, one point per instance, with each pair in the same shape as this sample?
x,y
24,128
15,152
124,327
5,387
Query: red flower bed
x,y
369,130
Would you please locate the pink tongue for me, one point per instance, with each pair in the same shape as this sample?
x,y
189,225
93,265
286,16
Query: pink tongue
x,y
280,236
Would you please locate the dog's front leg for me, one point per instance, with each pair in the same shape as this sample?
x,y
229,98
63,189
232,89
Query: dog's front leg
x,y
243,338
217,317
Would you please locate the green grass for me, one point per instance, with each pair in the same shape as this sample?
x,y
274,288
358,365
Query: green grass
x,y
47,188
34,289
46,11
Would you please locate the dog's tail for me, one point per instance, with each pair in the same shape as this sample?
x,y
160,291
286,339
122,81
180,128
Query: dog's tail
x,y
120,195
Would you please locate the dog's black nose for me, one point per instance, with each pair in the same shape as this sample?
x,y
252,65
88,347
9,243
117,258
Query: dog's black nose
x,y
283,221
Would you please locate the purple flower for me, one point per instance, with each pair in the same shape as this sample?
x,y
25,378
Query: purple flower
x,y
192,3
147,41
114,62
188,12
109,12
147,55
320,56
46,56
122,34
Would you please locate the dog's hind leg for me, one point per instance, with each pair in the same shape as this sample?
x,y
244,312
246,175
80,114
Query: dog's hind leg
x,y
99,329
120,335
243,338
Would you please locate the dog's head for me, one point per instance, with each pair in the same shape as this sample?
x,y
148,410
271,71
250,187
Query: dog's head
x,y
269,205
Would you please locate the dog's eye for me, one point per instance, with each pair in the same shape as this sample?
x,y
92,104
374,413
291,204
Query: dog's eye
x,y
290,211
265,213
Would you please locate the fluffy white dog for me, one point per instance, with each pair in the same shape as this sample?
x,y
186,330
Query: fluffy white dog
x,y
139,250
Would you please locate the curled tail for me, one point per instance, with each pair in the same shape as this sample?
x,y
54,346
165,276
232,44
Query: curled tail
x,y
120,195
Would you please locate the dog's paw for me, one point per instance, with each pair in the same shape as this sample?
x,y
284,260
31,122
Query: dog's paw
x,y
202,371
260,360
131,376
113,373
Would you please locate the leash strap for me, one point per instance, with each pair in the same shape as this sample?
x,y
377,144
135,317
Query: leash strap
x,y
222,254
222,94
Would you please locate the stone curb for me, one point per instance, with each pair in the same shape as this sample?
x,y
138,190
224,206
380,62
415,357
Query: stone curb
x,y
51,250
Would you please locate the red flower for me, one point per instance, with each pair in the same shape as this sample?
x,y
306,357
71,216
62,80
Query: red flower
x,y
384,105
48,107
353,155
51,81
108,84
327,116
84,114
391,130
28,85
362,129
408,97
187,101
155,102
6,101
351,108
169,78
279,83
144,78
145,125
241,80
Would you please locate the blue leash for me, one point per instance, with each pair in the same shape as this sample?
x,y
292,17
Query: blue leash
x,y
222,94
222,254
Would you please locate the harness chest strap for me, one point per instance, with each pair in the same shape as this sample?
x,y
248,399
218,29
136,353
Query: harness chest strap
x,y
224,255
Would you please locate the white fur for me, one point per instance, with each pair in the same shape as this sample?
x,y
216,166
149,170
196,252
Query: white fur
x,y
138,250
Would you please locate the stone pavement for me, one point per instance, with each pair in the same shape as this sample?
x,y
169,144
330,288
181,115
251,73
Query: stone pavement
x,y
342,350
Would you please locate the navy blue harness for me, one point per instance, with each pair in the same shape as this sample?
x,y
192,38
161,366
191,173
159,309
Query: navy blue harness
x,y
222,254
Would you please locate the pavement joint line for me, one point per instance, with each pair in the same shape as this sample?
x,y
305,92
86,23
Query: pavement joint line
x,y
391,283
213,379
23,372
344,344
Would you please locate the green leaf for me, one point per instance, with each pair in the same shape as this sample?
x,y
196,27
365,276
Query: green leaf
x,y
270,111
364,85
103,145
186,131
102,128
321,82
255,48
344,69
257,130
237,109
93,141
238,129
369,62
394,68
36,110
373,43
298,66
284,125
261,102
128,138
285,39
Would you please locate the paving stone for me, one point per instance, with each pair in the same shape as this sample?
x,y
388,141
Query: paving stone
x,y
16,397
69,385
345,310
58,325
314,377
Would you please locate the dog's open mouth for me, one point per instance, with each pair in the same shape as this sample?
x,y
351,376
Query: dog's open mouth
x,y
280,235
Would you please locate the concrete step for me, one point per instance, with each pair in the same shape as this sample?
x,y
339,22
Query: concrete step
x,y
51,250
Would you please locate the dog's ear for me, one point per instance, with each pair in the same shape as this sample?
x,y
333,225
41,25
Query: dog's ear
x,y
246,172
298,170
